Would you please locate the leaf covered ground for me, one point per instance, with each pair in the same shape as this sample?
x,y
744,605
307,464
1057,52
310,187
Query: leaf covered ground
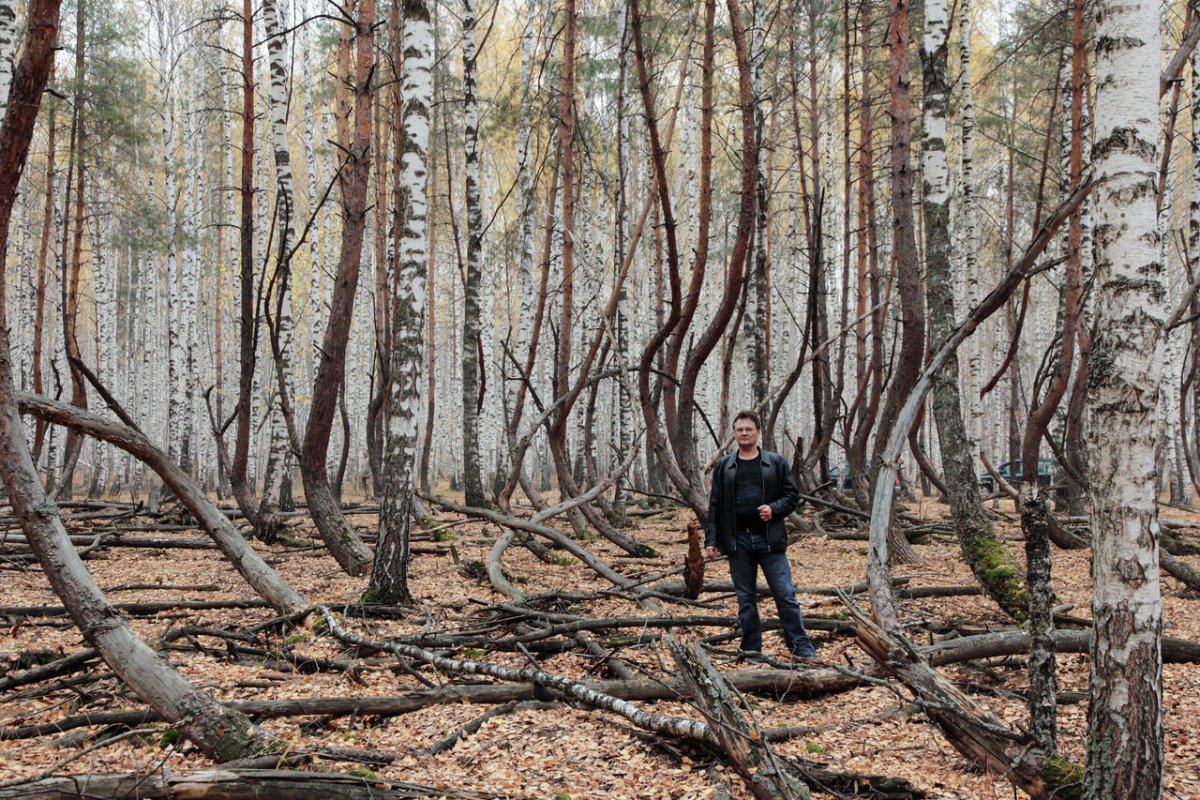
x,y
557,751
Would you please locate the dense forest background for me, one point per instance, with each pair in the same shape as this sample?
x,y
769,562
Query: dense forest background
x,y
145,256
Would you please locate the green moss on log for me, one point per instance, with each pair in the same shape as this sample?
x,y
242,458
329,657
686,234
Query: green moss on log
x,y
994,567
1063,777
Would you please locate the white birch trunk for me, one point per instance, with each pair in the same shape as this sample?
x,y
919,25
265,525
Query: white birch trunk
x,y
175,334
1168,417
472,310
316,293
1125,733
8,48
970,260
390,575
284,213
191,279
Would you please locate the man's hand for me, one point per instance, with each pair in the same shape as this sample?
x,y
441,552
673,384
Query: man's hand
x,y
710,552
765,513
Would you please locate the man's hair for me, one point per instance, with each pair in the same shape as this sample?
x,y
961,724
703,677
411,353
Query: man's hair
x,y
750,415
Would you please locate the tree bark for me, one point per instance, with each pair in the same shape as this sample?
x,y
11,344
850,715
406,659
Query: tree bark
x,y
226,784
265,581
1125,729
389,578
992,564
472,395
337,533
904,254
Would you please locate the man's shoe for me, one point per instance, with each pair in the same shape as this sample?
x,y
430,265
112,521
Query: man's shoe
x,y
806,654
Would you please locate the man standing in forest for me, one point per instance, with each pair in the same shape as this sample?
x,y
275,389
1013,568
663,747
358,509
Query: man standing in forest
x,y
752,494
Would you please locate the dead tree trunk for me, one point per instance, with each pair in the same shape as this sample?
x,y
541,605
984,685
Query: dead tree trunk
x,y
744,744
226,784
972,730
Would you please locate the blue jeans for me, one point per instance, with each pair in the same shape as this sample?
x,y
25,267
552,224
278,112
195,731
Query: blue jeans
x,y
751,552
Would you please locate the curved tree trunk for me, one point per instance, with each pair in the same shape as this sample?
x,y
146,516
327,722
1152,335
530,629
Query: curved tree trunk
x,y
266,582
992,564
335,530
904,247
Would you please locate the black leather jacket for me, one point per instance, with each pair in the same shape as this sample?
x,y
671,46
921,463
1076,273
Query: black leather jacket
x,y
779,491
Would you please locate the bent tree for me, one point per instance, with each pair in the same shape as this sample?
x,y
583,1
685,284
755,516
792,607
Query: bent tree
x,y
992,564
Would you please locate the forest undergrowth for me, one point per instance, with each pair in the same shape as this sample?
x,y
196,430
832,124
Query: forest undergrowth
x,y
533,745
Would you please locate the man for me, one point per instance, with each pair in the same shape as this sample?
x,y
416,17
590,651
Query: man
x,y
752,494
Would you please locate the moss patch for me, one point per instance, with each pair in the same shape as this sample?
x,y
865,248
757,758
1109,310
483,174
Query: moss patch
x,y
994,566
1063,777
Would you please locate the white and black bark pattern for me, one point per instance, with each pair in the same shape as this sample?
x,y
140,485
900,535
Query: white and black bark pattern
x,y
966,193
1193,237
191,279
389,578
674,726
284,227
1176,282
1125,733
472,310
525,179
316,293
8,47
175,332
756,322
994,568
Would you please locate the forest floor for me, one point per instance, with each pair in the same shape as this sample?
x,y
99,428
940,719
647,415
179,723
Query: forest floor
x,y
565,752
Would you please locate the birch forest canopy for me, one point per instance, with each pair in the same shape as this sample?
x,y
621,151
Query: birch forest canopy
x,y
364,277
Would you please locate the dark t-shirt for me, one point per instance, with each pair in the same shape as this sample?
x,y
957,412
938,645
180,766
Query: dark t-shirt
x,y
748,493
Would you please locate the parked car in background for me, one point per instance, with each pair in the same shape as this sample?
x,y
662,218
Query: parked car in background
x,y
1014,475
842,478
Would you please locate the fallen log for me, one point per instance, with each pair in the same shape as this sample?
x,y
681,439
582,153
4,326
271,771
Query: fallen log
x,y
762,769
136,608
981,737
229,784
1010,643
51,669
779,684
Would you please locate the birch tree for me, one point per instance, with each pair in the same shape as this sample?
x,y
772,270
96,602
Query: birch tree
x,y
389,578
279,461
8,47
992,564
1125,728
472,351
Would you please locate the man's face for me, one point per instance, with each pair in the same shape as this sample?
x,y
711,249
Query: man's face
x,y
745,433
